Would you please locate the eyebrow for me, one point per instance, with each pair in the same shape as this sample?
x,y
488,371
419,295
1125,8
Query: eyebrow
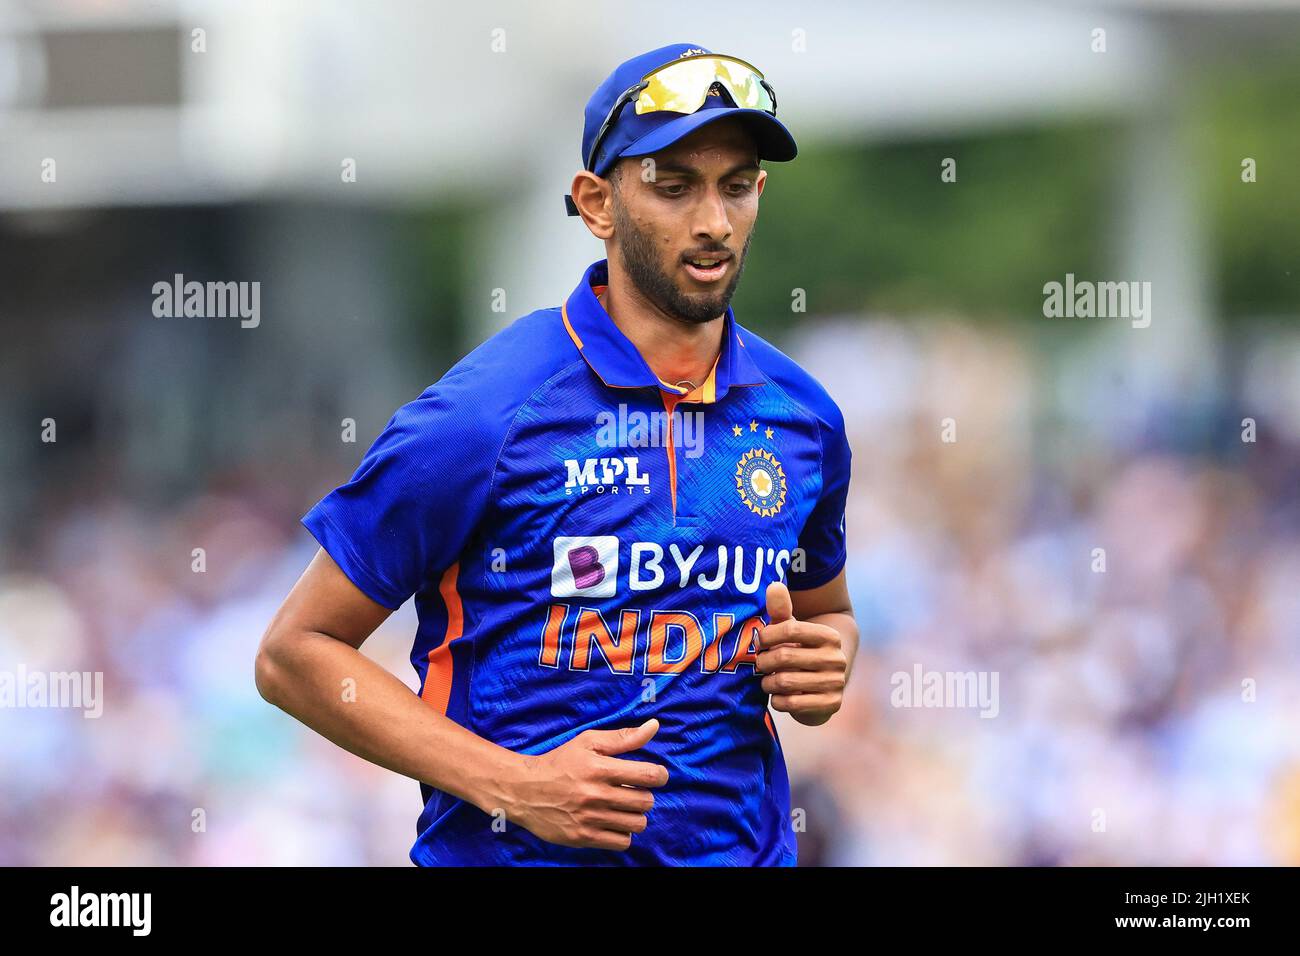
x,y
748,165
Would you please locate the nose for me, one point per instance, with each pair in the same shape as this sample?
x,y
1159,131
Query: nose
x,y
712,225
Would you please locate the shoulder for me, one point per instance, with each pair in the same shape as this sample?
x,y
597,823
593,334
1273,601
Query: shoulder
x,y
518,359
481,394
793,379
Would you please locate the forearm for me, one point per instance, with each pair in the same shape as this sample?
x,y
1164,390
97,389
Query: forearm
x,y
346,697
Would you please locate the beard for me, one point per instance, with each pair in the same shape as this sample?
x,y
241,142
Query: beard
x,y
640,256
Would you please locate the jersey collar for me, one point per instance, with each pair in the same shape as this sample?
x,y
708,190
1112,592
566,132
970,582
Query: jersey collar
x,y
618,364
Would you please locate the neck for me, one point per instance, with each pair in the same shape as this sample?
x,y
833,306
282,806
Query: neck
x,y
676,351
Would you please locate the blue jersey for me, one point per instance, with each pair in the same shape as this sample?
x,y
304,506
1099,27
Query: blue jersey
x,y
590,547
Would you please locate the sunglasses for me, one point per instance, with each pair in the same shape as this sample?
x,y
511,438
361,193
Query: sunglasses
x,y
682,86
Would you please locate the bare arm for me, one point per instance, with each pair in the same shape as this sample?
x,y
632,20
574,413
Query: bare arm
x,y
310,665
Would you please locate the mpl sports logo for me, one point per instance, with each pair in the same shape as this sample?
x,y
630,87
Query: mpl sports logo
x,y
605,476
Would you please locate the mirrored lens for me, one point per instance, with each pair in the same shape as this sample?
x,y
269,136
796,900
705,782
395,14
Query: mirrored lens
x,y
681,87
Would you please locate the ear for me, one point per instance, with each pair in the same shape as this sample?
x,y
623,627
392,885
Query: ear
x,y
594,198
759,181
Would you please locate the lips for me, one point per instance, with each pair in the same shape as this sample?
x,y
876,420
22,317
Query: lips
x,y
708,266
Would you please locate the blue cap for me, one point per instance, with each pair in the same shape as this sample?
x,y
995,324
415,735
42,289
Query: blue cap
x,y
634,134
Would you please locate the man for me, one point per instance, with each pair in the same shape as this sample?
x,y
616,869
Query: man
x,y
622,521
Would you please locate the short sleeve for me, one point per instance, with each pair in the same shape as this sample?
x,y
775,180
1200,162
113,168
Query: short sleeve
x,y
822,540
414,501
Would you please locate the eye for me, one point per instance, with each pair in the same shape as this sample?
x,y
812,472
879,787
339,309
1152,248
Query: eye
x,y
740,187
673,189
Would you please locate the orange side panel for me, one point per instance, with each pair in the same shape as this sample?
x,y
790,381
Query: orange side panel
x,y
437,681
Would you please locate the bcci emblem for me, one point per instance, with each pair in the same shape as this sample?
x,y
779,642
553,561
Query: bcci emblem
x,y
761,482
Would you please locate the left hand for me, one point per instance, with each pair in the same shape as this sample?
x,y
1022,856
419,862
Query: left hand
x,y
803,663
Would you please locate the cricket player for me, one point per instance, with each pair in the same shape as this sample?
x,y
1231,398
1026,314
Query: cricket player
x,y
622,521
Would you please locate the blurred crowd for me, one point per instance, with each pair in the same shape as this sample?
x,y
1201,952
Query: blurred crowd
x,y
1110,548
1121,559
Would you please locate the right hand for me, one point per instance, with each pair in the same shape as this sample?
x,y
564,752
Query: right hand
x,y
578,795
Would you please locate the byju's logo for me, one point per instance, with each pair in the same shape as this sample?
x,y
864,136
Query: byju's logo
x,y
585,567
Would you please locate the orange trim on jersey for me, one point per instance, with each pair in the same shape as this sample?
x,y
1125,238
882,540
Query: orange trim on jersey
x,y
564,314
437,679
767,719
670,402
